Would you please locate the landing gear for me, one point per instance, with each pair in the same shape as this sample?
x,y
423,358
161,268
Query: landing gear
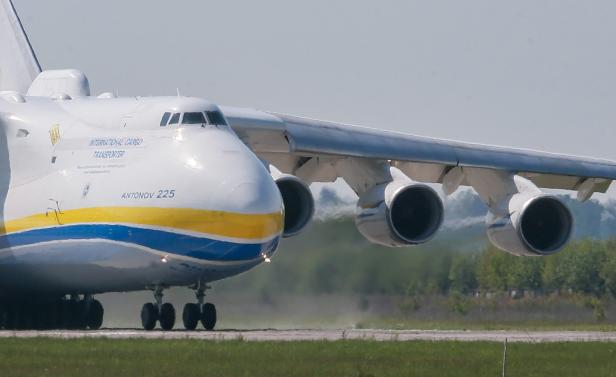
x,y
208,316
204,312
75,313
78,314
191,316
163,313
149,316
94,315
167,316
66,314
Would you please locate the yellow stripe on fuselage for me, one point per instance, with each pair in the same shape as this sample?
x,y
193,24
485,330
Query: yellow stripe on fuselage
x,y
220,223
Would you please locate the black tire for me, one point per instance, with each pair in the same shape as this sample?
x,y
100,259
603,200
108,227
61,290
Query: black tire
x,y
149,316
94,316
66,315
25,317
55,315
11,317
41,316
4,315
78,315
208,316
167,316
191,316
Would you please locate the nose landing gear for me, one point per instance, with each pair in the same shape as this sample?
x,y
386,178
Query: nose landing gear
x,y
201,311
158,312
193,313
208,316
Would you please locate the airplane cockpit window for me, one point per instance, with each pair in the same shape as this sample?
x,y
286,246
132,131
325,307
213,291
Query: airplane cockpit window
x,y
216,118
165,120
175,119
194,118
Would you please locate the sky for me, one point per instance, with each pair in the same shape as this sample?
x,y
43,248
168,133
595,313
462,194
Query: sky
x,y
529,73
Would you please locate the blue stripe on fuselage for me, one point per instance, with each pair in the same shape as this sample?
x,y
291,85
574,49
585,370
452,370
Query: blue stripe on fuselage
x,y
168,242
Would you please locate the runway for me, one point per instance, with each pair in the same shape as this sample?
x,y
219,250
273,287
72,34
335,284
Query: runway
x,y
329,335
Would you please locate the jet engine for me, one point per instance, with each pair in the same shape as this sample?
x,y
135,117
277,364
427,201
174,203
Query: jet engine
x,y
399,213
533,224
298,203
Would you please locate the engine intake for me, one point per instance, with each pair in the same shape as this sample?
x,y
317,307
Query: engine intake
x,y
399,213
298,204
539,225
545,224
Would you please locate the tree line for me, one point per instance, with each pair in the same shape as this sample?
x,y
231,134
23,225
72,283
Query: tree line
x,y
332,258
585,266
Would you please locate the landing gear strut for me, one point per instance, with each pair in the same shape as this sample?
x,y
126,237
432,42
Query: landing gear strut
x,y
164,313
201,311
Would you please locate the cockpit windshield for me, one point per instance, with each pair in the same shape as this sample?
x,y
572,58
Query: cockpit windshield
x,y
175,119
216,118
194,118
165,120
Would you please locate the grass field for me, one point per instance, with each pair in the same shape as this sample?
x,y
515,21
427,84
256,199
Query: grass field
x,y
102,357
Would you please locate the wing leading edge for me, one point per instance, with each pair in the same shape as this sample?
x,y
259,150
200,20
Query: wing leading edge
x,y
429,159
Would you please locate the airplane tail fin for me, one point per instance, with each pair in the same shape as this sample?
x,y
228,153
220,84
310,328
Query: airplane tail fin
x,y
18,63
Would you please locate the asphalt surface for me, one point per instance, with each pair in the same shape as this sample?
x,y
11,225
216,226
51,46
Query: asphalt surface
x,y
331,335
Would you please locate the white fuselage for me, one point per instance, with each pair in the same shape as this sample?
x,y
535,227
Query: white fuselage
x,y
98,197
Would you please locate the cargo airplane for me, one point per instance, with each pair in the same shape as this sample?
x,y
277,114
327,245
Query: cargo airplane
x,y
107,194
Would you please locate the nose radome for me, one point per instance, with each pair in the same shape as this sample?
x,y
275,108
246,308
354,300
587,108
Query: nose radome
x,y
235,179
248,186
255,196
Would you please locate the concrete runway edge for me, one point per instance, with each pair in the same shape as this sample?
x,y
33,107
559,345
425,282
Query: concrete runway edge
x,y
329,335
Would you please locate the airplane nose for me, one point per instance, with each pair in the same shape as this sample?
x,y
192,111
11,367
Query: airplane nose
x,y
233,181
225,196
255,196
246,186
260,200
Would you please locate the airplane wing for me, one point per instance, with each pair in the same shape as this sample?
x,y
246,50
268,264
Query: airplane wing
x,y
18,63
290,142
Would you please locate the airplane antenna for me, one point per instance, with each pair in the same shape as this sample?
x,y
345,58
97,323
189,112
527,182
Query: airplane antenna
x,y
178,90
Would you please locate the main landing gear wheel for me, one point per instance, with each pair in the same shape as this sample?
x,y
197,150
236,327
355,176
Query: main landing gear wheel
x,y
167,316
42,313
78,320
94,315
191,316
208,316
42,317
149,316
66,314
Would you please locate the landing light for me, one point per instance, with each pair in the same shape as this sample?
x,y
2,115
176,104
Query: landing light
x,y
165,259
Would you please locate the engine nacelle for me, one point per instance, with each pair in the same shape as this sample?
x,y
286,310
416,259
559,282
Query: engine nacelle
x,y
535,224
298,203
399,213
